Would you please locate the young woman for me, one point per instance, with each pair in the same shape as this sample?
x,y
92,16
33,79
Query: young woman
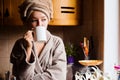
x,y
34,60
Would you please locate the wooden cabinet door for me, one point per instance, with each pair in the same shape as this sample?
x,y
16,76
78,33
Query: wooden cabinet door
x,y
1,12
66,13
15,12
10,15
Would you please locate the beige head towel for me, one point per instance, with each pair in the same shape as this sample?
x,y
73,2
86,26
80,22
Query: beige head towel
x,y
28,6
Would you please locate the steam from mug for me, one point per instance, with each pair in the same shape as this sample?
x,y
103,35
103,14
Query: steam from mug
x,y
40,33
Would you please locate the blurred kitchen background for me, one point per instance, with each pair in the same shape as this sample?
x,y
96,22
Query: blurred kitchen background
x,y
98,20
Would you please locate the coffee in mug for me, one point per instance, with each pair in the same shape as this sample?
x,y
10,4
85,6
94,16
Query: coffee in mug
x,y
40,34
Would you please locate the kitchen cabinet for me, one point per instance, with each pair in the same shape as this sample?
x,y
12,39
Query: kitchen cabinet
x,y
1,11
66,13
9,15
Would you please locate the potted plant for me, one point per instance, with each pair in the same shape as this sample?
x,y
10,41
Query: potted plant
x,y
70,51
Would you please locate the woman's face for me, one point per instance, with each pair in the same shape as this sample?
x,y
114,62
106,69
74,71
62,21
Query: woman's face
x,y
37,18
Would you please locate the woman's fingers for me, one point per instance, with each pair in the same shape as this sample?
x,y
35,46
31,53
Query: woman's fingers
x,y
29,38
28,35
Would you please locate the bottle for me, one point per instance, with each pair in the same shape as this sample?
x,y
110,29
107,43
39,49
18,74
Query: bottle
x,y
7,75
13,78
118,75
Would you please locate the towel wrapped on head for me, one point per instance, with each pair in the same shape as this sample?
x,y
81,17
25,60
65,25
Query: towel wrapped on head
x,y
28,6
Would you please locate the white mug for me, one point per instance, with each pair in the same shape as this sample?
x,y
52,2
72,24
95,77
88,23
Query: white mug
x,y
40,34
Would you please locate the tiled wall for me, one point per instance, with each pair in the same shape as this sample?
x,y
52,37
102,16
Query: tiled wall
x,y
8,35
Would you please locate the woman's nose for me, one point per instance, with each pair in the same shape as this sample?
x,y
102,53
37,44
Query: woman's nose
x,y
39,23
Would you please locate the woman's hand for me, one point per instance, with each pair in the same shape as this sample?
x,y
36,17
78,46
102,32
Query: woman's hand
x,y
28,36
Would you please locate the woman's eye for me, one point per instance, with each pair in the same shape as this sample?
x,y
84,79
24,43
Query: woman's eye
x,y
43,19
34,20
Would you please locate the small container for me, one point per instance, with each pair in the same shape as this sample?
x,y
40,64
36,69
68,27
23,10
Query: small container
x,y
70,59
117,68
118,75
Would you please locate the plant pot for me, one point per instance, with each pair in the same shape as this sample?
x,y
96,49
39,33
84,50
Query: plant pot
x,y
70,59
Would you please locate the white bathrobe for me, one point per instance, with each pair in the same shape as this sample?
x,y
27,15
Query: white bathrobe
x,y
51,65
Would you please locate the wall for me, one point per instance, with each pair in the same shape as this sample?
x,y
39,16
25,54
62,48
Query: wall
x,y
111,37
8,36
98,28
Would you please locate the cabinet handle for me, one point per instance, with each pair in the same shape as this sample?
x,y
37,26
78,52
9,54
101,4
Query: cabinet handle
x,y
66,9
67,12
63,7
0,14
6,14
